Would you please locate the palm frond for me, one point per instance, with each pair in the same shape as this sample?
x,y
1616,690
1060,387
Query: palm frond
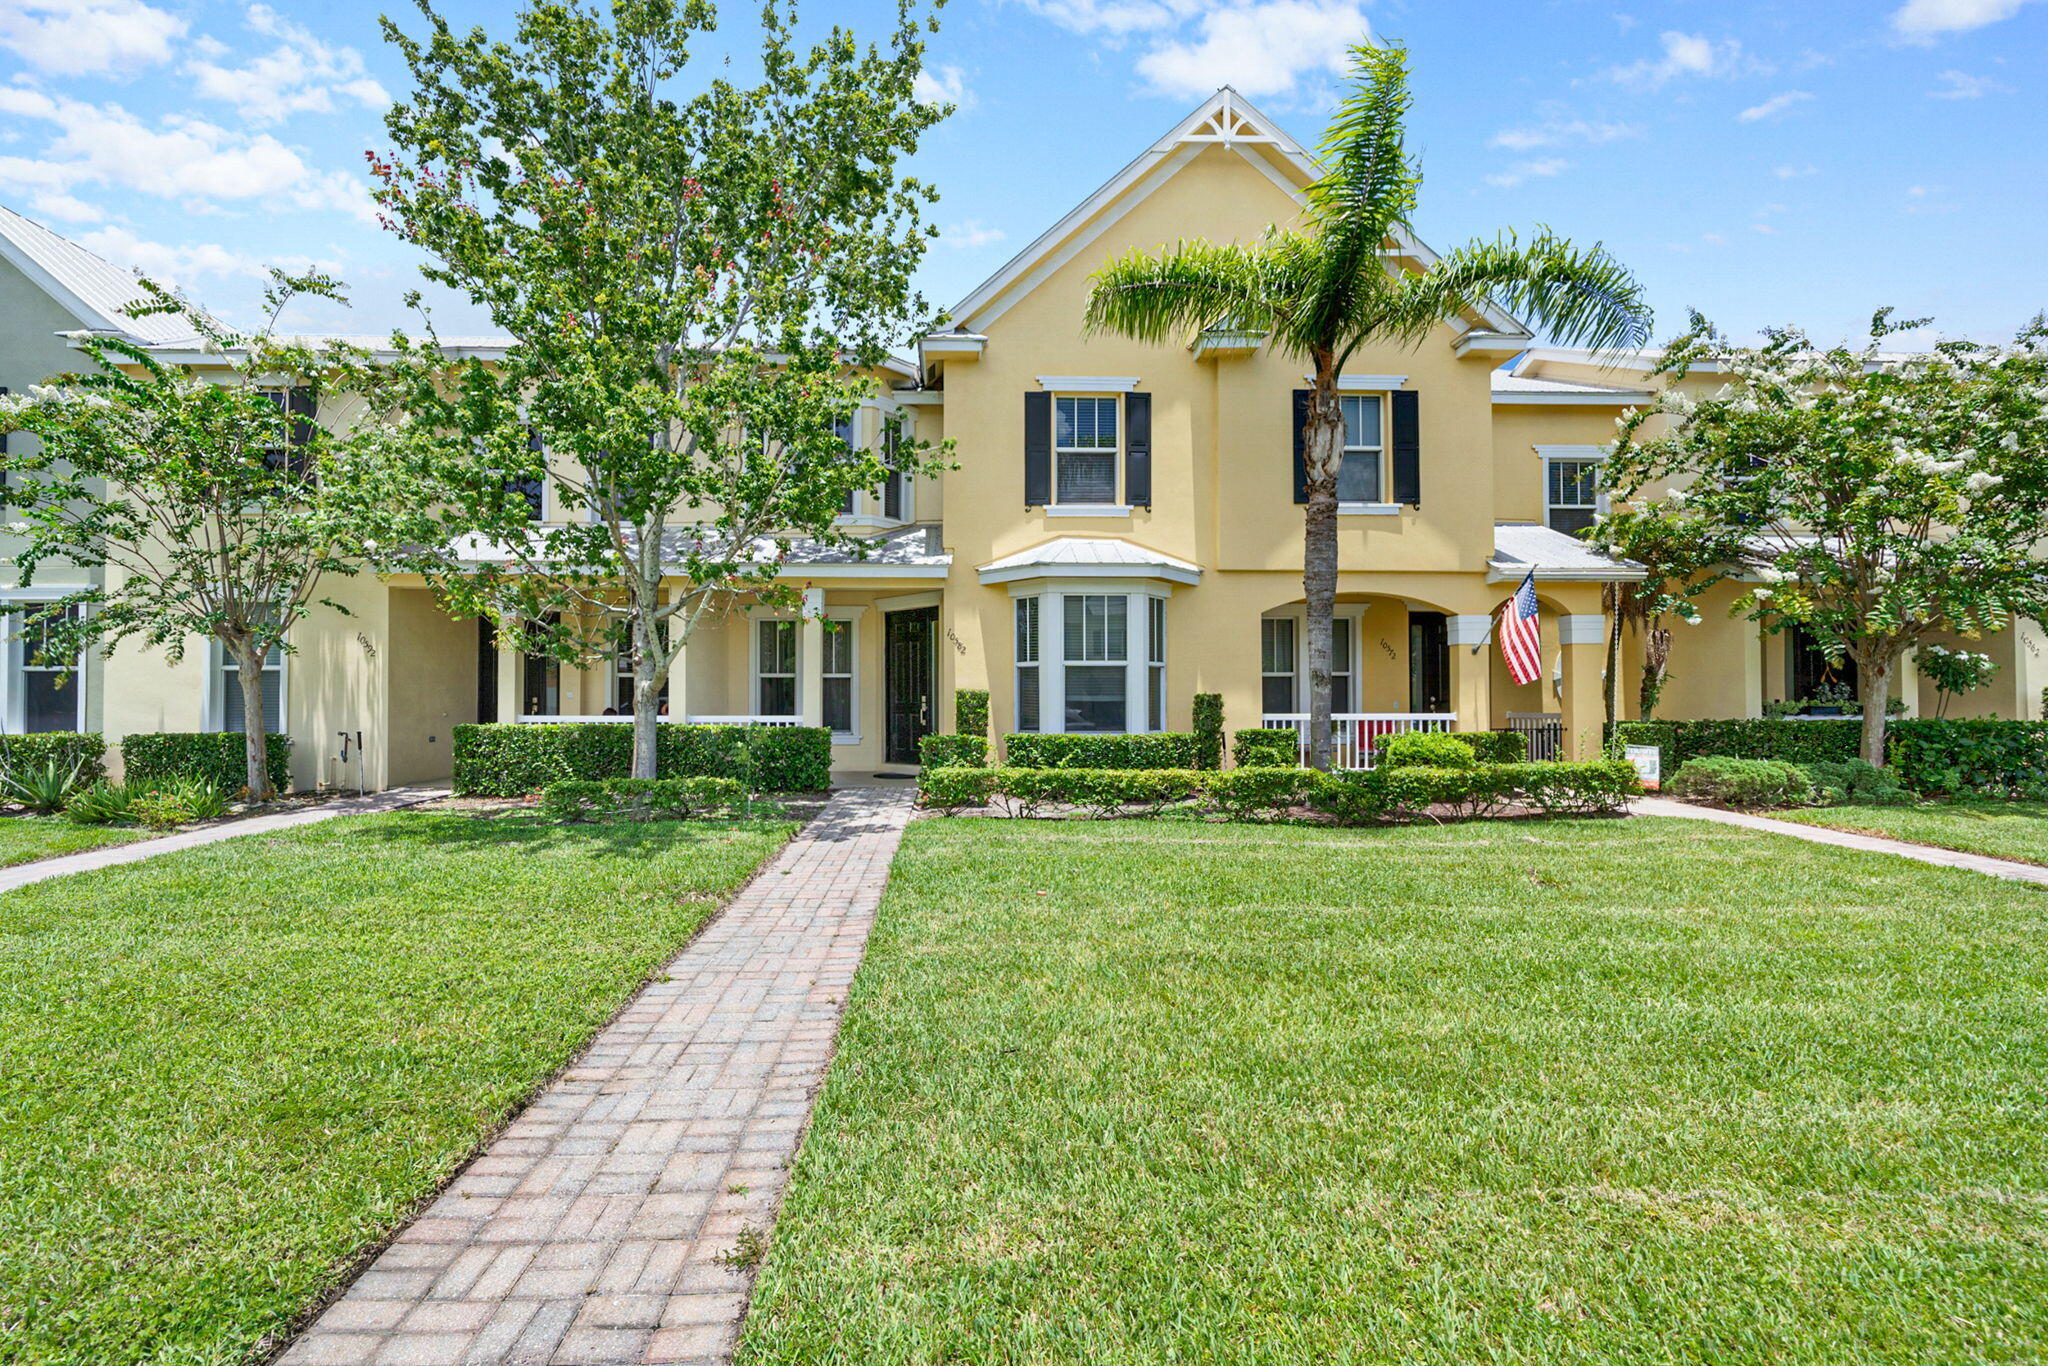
x,y
1578,295
1171,295
1368,188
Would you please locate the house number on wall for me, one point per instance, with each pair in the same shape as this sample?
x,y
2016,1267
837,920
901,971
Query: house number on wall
x,y
959,645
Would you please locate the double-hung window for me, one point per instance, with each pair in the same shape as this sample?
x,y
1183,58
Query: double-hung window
x,y
233,716
1571,495
1097,638
52,685
838,677
1027,664
776,689
1155,664
1361,475
1276,665
1084,451
843,429
1340,664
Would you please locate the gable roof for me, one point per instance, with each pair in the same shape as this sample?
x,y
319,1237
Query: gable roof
x,y
90,288
1225,119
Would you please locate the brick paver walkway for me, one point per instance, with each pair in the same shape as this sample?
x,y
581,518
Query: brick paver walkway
x,y
599,1227
1847,839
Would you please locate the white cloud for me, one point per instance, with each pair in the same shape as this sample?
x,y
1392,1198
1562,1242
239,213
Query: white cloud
x,y
1765,228
1527,170
1557,130
1265,47
1925,20
59,205
944,85
1115,18
1961,85
1774,106
1684,54
970,234
194,261
301,74
82,37
1795,170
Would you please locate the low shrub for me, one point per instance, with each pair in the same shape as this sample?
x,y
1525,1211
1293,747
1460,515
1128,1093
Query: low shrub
x,y
1743,782
1796,742
41,787
1594,787
86,749
1275,747
1253,791
1855,782
579,799
1208,730
952,751
970,711
1958,758
1162,749
507,759
1495,746
167,805
952,789
211,757
1424,749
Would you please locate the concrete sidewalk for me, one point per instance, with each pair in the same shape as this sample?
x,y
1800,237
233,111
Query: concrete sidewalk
x,y
1843,839
390,800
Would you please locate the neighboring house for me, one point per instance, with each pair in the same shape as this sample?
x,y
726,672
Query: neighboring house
x,y
1121,533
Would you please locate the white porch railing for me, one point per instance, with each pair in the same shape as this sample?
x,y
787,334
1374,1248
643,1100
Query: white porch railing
x,y
537,720
1543,729
1353,733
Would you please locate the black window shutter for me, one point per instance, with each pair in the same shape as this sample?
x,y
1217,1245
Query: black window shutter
x,y
1300,421
1138,450
892,491
1037,449
301,403
1407,448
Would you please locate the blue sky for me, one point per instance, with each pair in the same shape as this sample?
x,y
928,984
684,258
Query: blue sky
x,y
1763,162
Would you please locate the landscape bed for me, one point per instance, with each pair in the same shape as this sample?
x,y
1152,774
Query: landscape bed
x,y
1616,1092
227,1072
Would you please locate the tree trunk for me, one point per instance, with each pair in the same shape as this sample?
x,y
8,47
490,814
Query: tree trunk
x,y
1324,447
255,739
647,681
1874,680
1656,666
1610,680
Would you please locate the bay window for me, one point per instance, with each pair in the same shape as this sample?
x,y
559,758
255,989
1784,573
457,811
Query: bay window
x,y
1155,672
1027,664
1097,654
1090,661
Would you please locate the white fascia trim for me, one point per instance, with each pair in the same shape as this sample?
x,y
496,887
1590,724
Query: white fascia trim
x,y
1366,382
955,343
1495,574
1618,399
920,398
1089,384
1368,509
1573,452
1490,344
1581,628
905,602
1055,573
1069,583
1467,628
42,592
1087,510
861,571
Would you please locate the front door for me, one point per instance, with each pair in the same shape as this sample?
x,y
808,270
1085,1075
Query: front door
x,y
909,667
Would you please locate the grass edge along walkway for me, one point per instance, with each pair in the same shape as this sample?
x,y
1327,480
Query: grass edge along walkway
x,y
2010,869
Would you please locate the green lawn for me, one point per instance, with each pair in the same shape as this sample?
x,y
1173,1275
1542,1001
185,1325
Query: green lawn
x,y
225,1072
1609,1091
2014,830
26,838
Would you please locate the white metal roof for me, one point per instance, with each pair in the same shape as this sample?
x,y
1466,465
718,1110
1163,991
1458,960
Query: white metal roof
x,y
1088,557
1555,557
1513,388
90,288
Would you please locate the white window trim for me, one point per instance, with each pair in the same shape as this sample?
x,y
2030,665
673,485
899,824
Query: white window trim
x,y
1368,509
1116,452
1386,416
848,620
1083,386
217,665
1353,612
1552,455
754,675
13,679
868,514
1365,383
1018,665
1052,649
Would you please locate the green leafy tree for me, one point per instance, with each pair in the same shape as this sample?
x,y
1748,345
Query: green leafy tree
x,y
214,498
698,288
1877,498
1682,557
1323,290
1954,672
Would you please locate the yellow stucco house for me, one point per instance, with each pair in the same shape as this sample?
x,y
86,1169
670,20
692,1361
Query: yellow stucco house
x,y
1121,532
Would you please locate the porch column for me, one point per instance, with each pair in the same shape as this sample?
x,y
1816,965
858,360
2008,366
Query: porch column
x,y
679,670
1752,670
810,656
1471,673
1582,638
511,675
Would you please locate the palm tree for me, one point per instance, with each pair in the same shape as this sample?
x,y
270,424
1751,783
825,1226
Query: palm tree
x,y
1324,289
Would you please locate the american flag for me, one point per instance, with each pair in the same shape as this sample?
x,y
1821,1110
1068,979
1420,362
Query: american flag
x,y
1521,640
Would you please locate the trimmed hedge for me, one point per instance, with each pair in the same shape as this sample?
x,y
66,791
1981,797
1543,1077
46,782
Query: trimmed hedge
x,y
1743,782
581,799
1162,749
1208,730
970,711
1796,742
1950,758
1256,792
215,757
64,748
1495,746
1424,749
952,751
1270,748
506,759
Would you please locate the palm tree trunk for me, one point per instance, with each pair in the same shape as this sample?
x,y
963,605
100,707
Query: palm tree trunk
x,y
1610,681
1323,445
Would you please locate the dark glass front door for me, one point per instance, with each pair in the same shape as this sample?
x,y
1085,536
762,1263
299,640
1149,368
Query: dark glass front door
x,y
1429,662
909,666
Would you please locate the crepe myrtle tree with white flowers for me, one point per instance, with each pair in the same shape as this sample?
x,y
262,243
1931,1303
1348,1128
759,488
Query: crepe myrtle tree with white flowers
x,y
1876,498
1954,672
216,505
